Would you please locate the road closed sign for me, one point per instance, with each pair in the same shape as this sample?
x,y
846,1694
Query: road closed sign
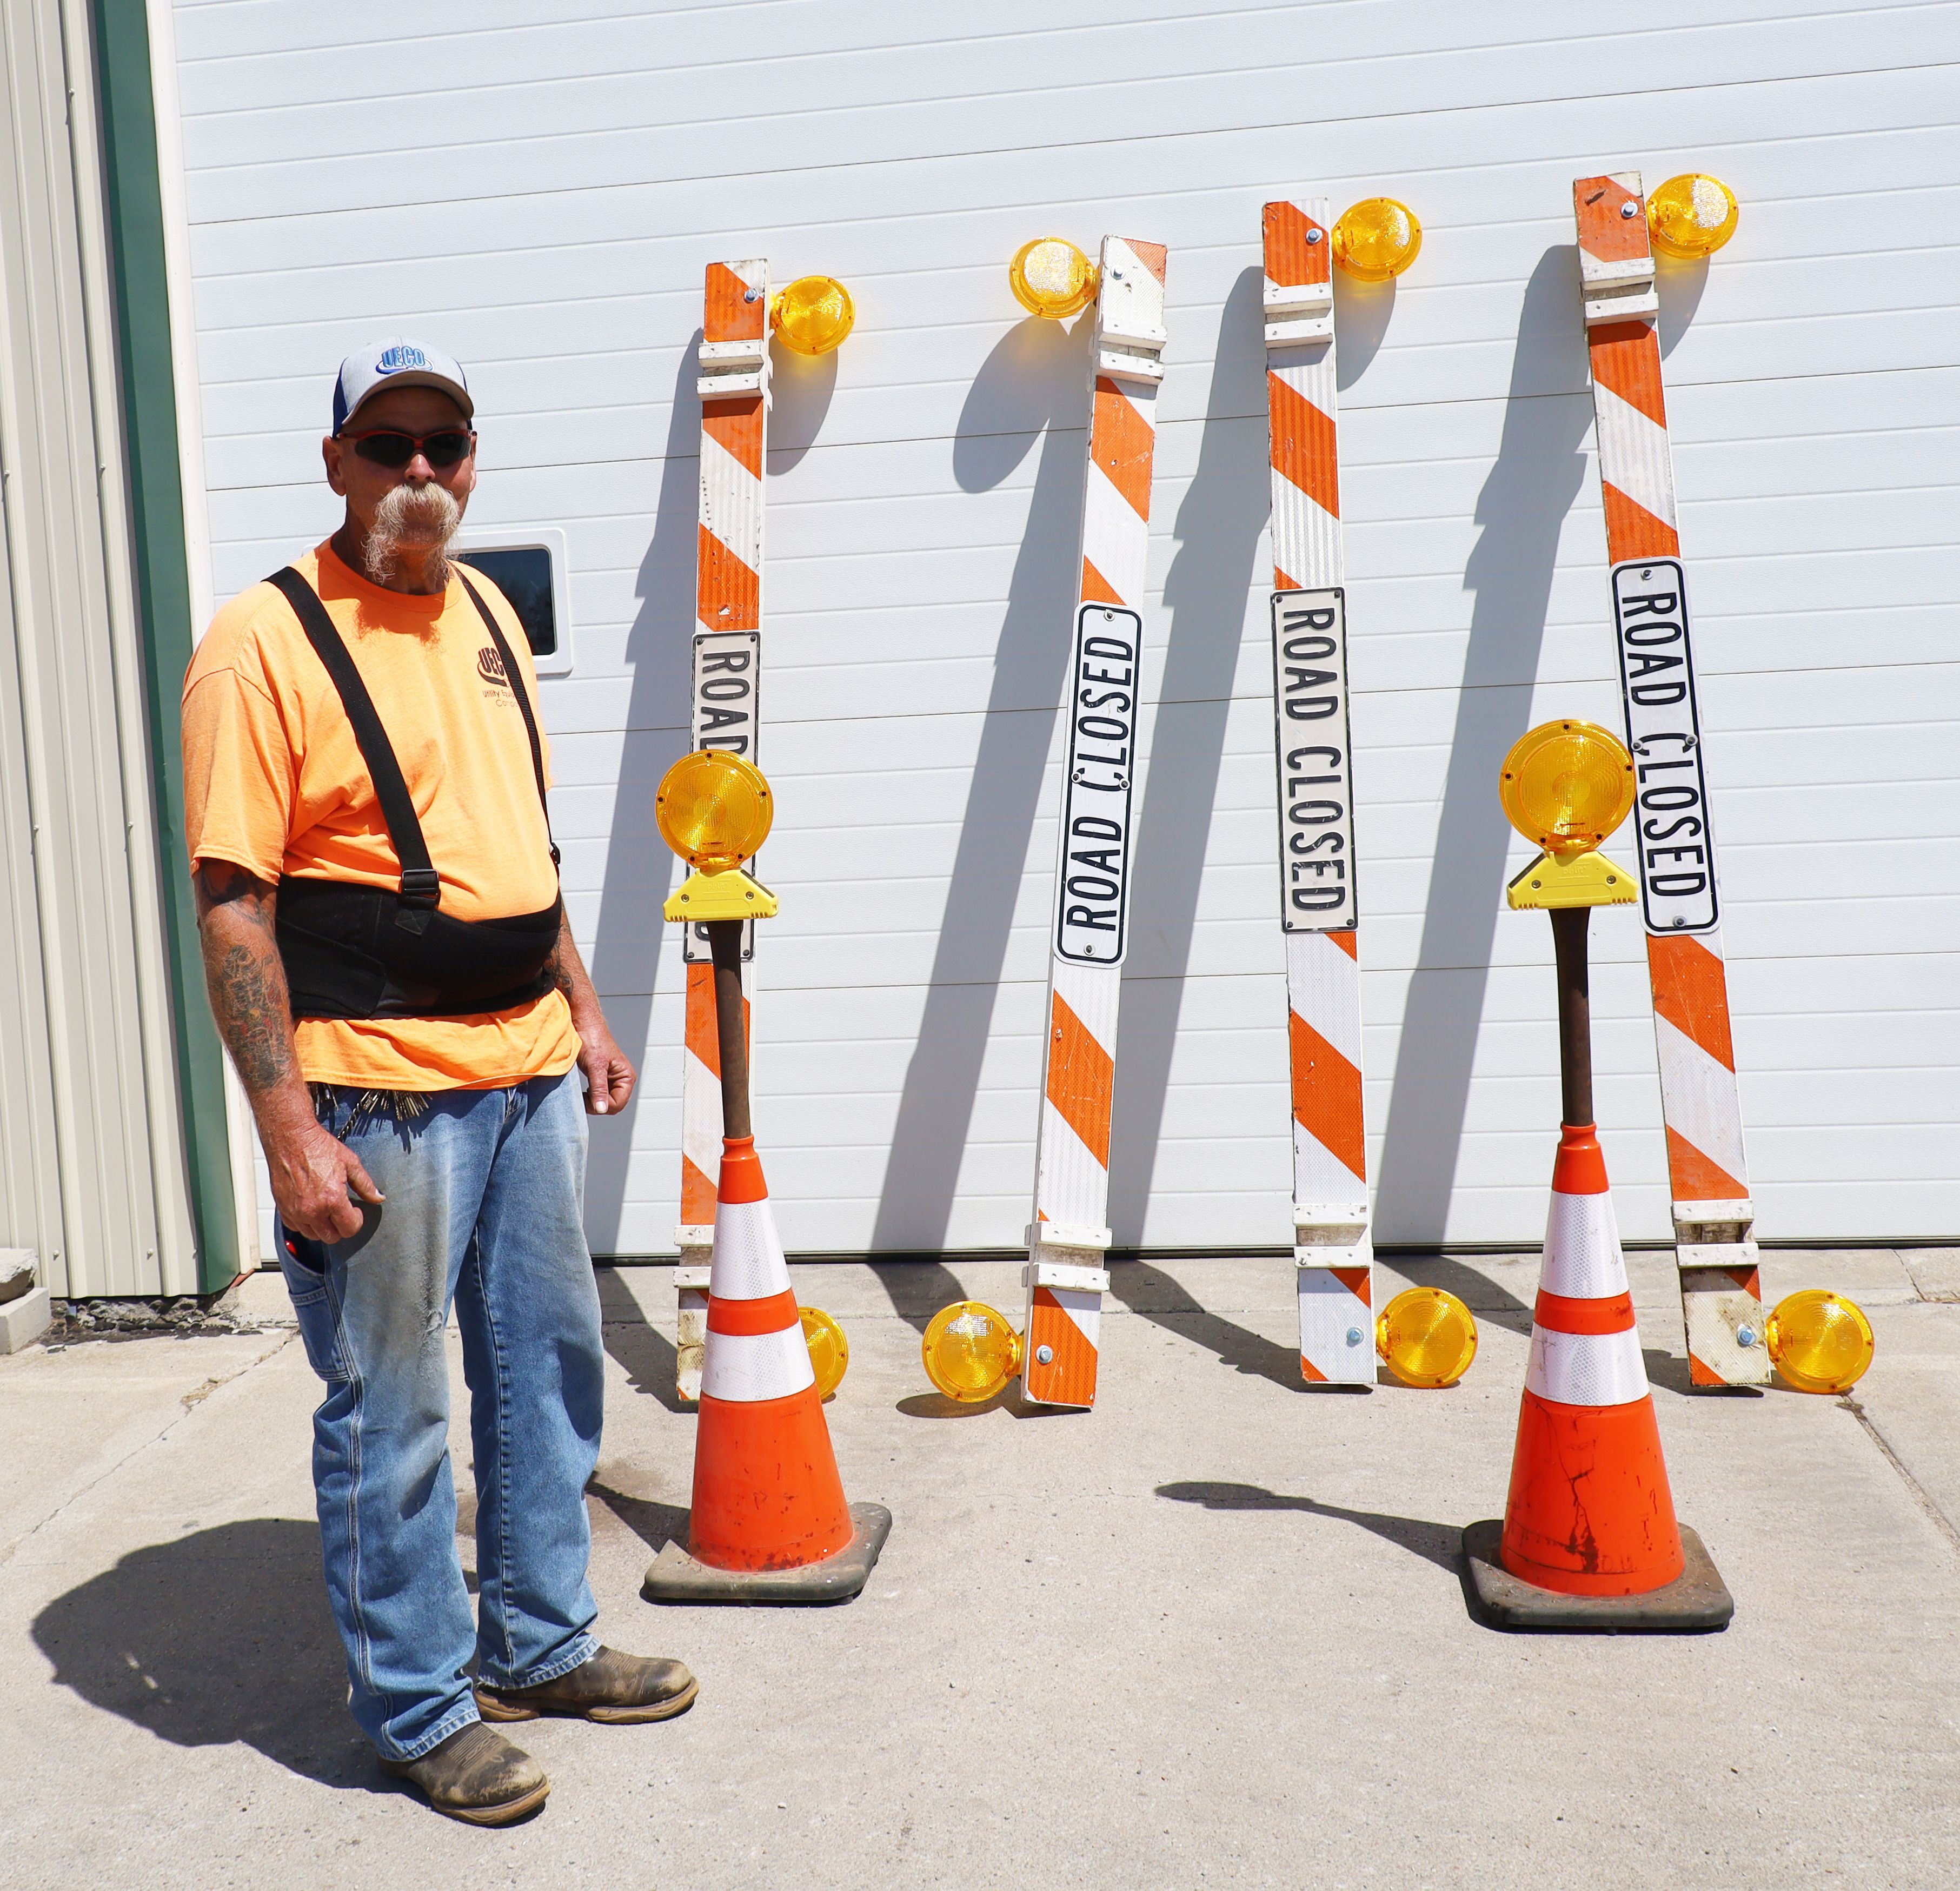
x,y
1093,902
1677,849
1316,794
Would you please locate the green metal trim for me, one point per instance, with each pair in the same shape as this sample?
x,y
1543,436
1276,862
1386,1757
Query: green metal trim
x,y
163,594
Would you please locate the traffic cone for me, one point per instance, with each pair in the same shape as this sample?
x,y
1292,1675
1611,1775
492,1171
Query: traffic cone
x,y
1589,1536
1590,1513
769,1522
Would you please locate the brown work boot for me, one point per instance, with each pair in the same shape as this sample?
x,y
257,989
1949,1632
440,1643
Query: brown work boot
x,y
477,1775
615,1687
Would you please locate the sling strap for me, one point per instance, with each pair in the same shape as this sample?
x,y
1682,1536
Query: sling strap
x,y
421,885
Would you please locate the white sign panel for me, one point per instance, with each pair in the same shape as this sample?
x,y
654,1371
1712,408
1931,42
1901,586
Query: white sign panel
x,y
1677,849
727,697
1315,795
1093,900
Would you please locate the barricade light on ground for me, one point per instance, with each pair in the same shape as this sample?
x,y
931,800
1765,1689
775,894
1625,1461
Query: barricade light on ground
x,y
1819,1341
1376,239
829,1350
1426,1337
1050,276
714,809
1691,216
970,1351
813,314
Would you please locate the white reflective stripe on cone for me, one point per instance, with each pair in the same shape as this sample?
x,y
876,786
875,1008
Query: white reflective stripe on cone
x,y
748,1262
1585,1368
743,1367
1582,1249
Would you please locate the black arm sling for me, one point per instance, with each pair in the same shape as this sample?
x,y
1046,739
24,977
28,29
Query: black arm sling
x,y
356,951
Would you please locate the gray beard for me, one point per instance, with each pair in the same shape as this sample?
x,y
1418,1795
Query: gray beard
x,y
414,527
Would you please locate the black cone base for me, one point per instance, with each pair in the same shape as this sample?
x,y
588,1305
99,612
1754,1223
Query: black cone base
x,y
674,1576
1695,1603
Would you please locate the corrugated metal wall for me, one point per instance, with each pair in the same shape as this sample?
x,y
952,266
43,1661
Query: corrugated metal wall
x,y
540,195
92,1168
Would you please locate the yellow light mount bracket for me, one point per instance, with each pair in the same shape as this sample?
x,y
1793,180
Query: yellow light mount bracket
x,y
1554,880
730,894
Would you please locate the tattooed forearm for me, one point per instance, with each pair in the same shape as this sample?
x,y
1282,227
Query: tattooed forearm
x,y
245,977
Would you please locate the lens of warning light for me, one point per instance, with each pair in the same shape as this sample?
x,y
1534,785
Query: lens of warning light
x,y
1820,1341
1051,277
1376,239
1566,785
713,809
970,1351
1691,216
813,314
829,1350
1427,1337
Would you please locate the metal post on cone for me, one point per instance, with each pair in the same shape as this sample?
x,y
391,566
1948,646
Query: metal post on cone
x,y
768,1522
1589,1539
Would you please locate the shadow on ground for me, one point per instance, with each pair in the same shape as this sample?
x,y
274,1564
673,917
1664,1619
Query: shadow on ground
x,y
1151,1293
642,1351
1437,1543
221,1636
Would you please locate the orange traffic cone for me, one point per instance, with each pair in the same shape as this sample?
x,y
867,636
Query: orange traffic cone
x,y
769,1522
1589,1536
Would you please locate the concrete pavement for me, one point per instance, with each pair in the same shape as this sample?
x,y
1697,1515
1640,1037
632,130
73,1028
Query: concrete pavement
x,y
1211,1633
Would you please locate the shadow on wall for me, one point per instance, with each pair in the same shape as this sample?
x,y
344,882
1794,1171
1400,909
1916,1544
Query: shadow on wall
x,y
1218,528
1031,391
1539,472
221,1636
631,935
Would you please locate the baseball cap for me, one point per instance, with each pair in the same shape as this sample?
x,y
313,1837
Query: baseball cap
x,y
396,363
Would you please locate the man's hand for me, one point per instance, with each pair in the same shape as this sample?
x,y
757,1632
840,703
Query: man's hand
x,y
317,1181
312,1172
608,1077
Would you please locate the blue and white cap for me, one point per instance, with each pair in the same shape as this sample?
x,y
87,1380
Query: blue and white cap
x,y
396,363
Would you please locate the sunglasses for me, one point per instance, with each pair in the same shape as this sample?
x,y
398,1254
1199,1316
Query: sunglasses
x,y
387,448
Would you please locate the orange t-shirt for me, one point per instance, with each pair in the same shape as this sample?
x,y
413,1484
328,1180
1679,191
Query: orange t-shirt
x,y
274,782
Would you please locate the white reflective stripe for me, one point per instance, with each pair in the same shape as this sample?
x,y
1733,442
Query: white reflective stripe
x,y
1324,985
1085,1309
1633,454
743,1367
1583,1259
1700,1098
1586,1369
700,1115
747,1263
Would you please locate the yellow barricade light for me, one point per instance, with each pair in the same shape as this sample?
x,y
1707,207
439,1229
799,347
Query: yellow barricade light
x,y
1051,277
1566,785
1691,216
1426,1337
714,809
1376,239
970,1351
813,314
829,1350
1819,1341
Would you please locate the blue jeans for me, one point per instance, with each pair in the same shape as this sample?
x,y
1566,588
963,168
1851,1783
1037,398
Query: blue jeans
x,y
484,1192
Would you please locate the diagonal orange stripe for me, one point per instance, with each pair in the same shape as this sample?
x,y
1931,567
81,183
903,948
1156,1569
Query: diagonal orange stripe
x,y
1068,1377
1348,941
736,425
1095,588
1632,531
1154,256
1327,1097
1625,359
1281,582
701,1041
1692,1177
1290,259
727,316
728,596
1603,232
1310,1372
1120,441
1357,1281
697,1196
1081,1079
1302,445
1691,991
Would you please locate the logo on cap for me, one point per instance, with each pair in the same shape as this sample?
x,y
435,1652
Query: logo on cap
x,y
393,360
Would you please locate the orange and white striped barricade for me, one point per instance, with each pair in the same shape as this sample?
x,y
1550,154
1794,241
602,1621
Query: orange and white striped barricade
x,y
1318,910
1721,1293
1068,1238
734,390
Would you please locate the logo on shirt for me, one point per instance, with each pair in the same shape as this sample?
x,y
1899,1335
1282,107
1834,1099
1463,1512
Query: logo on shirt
x,y
490,667
393,360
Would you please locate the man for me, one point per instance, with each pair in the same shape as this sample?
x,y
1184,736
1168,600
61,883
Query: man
x,y
391,967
